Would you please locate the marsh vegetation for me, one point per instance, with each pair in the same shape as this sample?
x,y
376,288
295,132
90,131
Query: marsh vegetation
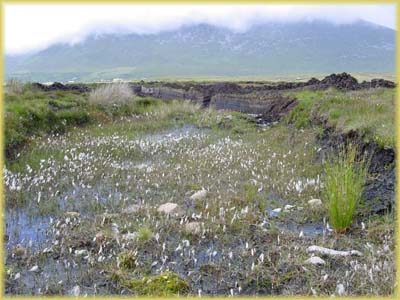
x,y
151,197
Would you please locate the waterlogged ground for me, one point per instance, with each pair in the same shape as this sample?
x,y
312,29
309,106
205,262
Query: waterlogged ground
x,y
83,213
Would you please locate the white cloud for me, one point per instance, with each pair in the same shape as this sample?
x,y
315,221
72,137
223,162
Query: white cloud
x,y
36,26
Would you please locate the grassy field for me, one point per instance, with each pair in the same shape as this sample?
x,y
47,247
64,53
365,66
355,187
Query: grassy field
x,y
32,112
369,112
93,201
293,77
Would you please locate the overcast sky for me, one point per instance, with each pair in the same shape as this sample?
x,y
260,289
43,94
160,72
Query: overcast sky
x,y
35,27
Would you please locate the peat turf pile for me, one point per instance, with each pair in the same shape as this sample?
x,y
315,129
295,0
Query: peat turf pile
x,y
342,81
57,86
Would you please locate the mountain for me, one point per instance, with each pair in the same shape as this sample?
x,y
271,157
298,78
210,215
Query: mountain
x,y
203,50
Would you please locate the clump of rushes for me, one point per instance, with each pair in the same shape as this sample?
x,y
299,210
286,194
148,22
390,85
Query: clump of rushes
x,y
250,193
14,87
111,95
144,234
176,109
344,181
127,260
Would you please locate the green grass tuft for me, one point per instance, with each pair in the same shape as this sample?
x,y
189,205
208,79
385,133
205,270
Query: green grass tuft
x,y
345,177
144,234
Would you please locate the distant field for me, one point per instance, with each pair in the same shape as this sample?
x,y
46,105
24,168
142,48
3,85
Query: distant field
x,y
296,77
273,78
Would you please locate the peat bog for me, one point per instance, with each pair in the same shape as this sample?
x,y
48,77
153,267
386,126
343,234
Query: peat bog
x,y
196,188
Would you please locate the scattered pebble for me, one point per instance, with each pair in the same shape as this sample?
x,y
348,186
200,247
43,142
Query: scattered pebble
x,y
75,291
100,237
47,250
72,214
130,236
314,203
331,252
288,207
313,291
169,208
34,269
340,290
19,250
81,252
193,227
199,195
131,209
315,260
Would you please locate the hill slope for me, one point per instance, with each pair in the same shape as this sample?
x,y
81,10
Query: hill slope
x,y
205,50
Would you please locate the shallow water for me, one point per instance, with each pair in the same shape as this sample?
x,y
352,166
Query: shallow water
x,y
105,194
308,229
175,135
25,230
27,227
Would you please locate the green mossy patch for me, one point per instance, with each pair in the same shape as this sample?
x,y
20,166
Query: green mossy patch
x,y
165,284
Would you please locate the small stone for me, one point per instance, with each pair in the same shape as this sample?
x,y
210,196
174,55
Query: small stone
x,y
314,203
313,291
131,209
315,260
72,214
275,212
100,237
199,195
289,207
169,208
130,236
17,276
340,290
332,252
47,250
19,250
107,218
34,269
81,252
193,227
75,291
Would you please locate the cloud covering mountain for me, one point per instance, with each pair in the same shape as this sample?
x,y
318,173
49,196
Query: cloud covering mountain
x,y
265,49
30,28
